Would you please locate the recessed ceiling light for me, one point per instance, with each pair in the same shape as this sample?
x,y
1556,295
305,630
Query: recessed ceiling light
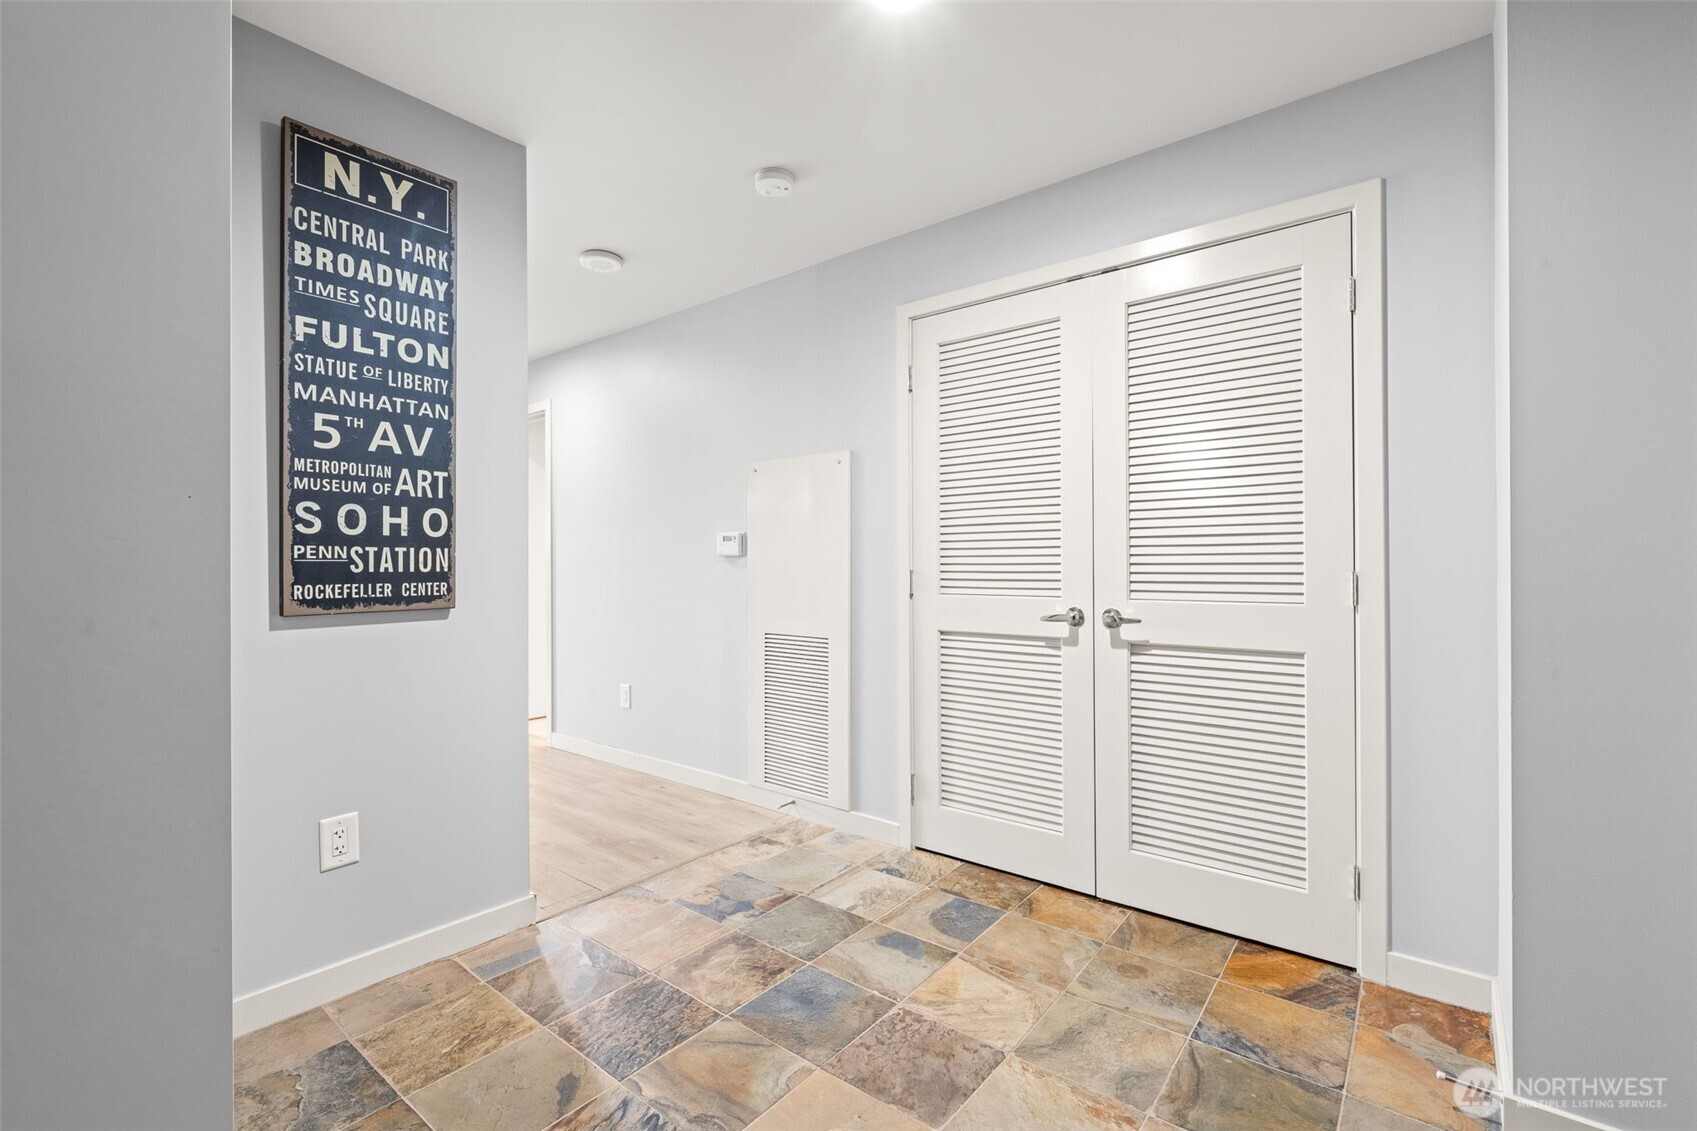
x,y
601,262
897,7
774,182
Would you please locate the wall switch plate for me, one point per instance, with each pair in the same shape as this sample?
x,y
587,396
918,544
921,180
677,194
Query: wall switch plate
x,y
338,842
624,696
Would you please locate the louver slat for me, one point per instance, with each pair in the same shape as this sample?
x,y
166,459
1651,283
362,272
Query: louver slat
x,y
1219,760
999,463
1214,467
797,713
1000,728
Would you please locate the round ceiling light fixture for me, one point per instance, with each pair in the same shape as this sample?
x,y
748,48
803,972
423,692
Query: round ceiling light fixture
x,y
600,262
774,182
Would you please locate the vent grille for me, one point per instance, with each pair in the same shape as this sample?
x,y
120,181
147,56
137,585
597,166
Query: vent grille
x,y
1214,441
1000,722
1219,766
999,463
796,713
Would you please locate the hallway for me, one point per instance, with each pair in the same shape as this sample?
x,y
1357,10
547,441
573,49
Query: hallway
x,y
804,979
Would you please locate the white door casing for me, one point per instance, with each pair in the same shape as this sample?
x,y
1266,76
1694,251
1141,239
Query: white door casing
x,y
1002,529
1225,711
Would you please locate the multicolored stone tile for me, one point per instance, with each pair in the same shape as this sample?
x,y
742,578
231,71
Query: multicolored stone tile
x,y
1402,1076
799,869
848,846
529,1083
1175,943
824,1103
813,1014
981,1004
653,938
513,950
634,1025
805,927
378,1005
569,978
941,918
329,1089
984,885
425,1045
921,1066
884,959
589,918
730,970
735,900
1294,977
1029,951
1148,990
285,1044
796,831
1212,1090
1361,1116
867,893
616,1110
1277,1033
722,1078
396,1117
1103,1049
1022,1095
914,864
1070,911
1403,1014
687,878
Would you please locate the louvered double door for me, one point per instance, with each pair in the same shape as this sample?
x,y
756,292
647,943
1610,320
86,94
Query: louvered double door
x,y
1172,441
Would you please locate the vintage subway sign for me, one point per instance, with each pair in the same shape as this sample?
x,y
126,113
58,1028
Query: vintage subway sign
x,y
369,302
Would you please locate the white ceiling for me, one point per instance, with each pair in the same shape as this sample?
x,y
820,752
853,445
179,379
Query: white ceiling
x,y
645,121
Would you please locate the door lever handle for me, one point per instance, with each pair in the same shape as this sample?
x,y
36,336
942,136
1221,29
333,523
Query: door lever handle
x,y
1113,618
1073,616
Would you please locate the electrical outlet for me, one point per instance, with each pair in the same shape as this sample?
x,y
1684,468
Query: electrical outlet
x,y
338,841
624,696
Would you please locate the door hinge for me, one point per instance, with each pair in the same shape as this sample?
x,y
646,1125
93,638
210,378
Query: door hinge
x,y
1357,884
1351,308
910,585
910,368
1355,590
912,788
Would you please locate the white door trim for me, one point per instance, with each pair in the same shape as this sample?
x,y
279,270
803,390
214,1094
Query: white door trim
x,y
545,409
1364,203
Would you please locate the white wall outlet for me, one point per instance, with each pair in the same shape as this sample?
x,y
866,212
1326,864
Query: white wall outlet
x,y
624,696
338,841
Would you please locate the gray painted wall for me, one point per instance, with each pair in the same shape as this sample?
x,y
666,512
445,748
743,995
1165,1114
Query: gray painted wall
x,y
114,661
654,427
1602,180
415,720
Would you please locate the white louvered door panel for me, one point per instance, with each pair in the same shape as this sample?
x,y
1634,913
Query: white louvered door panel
x,y
1002,753
1224,524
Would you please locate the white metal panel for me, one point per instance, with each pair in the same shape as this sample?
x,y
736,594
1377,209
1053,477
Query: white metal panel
x,y
1002,536
1225,725
798,626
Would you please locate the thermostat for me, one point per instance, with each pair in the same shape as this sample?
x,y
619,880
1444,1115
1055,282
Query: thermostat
x,y
733,545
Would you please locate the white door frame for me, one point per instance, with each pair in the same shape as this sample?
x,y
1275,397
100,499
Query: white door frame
x,y
545,409
1364,203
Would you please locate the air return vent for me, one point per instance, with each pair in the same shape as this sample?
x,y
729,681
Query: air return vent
x,y
798,632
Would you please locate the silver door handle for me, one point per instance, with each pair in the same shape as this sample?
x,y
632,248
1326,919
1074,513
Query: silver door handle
x,y
1113,618
1073,616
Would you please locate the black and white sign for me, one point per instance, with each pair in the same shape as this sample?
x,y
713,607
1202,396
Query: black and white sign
x,y
369,303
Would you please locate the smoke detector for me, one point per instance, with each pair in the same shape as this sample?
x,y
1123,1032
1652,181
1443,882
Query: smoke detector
x,y
774,182
600,262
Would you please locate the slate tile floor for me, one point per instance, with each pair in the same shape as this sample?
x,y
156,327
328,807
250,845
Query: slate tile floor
x,y
810,980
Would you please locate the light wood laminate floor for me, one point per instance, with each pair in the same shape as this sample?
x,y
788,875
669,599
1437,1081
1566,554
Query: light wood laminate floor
x,y
595,827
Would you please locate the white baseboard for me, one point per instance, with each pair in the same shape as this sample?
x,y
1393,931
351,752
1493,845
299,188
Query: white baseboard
x,y
285,999
1435,980
862,824
1524,1115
